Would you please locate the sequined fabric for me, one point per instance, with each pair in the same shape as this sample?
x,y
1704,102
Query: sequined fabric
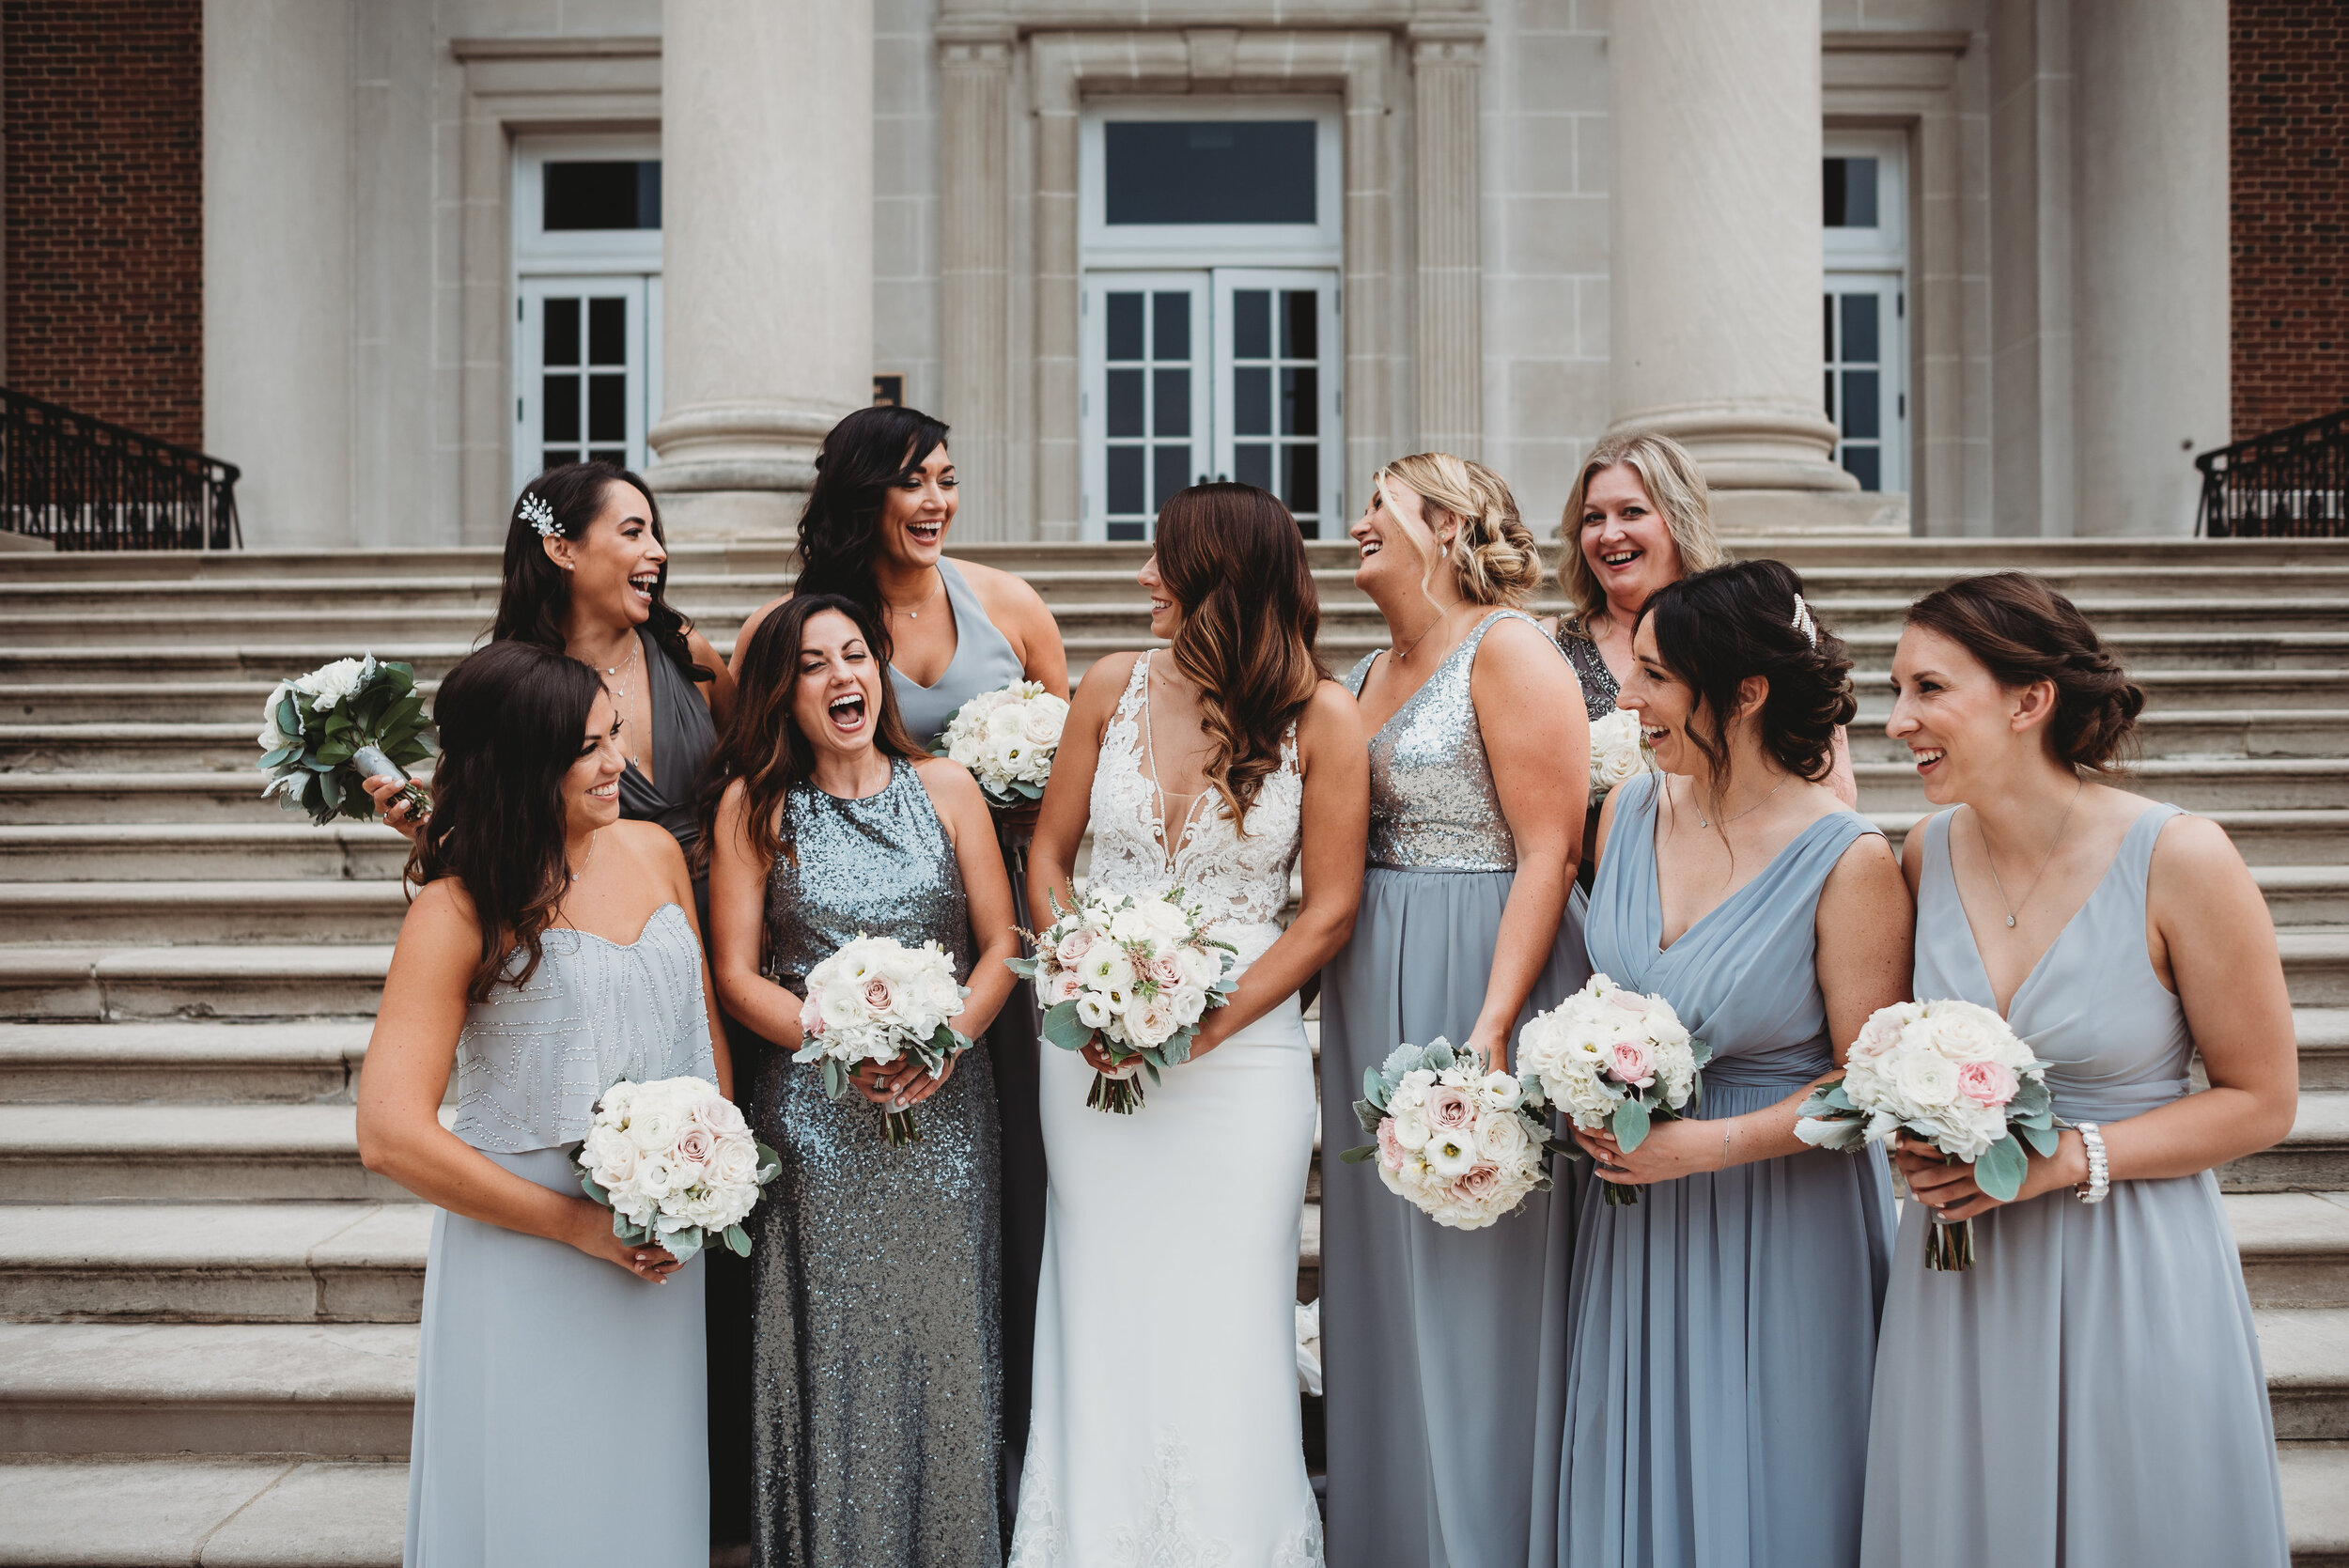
x,y
1432,806
533,1060
1600,690
879,1362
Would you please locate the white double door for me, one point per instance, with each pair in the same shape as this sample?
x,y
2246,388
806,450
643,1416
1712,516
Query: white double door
x,y
588,370
1219,373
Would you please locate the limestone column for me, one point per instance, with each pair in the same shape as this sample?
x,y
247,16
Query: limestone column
x,y
1716,285
974,273
1446,61
766,254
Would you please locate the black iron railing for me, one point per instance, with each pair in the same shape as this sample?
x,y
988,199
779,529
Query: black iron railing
x,y
84,483
2292,483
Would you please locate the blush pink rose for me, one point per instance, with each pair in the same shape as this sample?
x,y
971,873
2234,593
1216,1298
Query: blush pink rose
x,y
1450,1111
1479,1185
1391,1151
1064,987
811,1017
1987,1083
880,993
697,1146
1072,947
1165,971
1631,1063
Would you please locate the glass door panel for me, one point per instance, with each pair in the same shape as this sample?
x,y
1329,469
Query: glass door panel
x,y
583,372
1278,368
1866,377
1145,409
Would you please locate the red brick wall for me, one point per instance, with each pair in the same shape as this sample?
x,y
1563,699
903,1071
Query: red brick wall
x,y
103,108
2289,61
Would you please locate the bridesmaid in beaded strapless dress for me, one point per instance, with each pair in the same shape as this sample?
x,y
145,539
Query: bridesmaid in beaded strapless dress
x,y
879,1359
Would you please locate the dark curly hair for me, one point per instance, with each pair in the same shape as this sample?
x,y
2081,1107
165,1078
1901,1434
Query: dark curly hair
x,y
1716,627
863,457
2023,631
511,718
535,593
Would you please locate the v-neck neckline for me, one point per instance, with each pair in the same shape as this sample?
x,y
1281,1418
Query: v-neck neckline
x,y
1974,942
946,591
1655,870
1420,690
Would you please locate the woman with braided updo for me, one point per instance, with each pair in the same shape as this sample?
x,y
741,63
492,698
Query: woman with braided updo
x,y
1475,831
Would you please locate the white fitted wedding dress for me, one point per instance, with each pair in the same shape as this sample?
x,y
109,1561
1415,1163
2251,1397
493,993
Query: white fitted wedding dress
x,y
1165,1427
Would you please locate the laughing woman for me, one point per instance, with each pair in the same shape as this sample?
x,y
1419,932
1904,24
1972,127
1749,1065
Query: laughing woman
x,y
2091,1387
880,1362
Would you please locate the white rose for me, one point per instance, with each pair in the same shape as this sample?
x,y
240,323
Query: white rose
x,y
1200,967
330,684
735,1163
1166,922
1153,1023
1963,1032
1501,1137
1043,721
1004,722
1924,1077
1129,926
653,1127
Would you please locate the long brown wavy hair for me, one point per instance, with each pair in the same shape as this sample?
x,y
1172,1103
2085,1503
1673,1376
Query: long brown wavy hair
x,y
763,745
1233,559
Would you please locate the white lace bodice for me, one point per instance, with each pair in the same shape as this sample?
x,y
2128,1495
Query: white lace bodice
x,y
1241,879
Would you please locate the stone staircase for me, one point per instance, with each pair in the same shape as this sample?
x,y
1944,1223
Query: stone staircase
x,y
207,1308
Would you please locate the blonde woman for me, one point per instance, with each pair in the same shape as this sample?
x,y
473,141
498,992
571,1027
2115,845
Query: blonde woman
x,y
1475,831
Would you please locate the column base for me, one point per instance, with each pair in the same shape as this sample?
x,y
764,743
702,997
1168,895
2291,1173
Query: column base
x,y
735,471
1743,513
1750,446
688,516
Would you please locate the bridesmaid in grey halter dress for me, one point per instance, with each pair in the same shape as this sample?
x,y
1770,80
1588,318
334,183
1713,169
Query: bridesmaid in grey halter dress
x,y
1426,1331
2090,1392
1717,1377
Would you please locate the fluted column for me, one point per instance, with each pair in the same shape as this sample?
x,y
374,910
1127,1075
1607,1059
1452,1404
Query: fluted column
x,y
767,152
974,273
1445,61
1717,277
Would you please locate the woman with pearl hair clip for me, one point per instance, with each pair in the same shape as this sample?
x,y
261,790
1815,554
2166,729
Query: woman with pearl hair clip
x,y
1474,833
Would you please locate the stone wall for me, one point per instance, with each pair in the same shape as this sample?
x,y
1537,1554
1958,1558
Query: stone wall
x,y
2289,60
104,209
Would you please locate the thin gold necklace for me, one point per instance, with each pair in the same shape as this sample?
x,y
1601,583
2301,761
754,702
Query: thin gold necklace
x,y
916,613
583,859
1442,615
1749,810
1993,860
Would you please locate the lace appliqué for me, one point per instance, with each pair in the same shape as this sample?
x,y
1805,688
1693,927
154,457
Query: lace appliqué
x,y
1168,1536
1037,1537
1303,1549
1239,879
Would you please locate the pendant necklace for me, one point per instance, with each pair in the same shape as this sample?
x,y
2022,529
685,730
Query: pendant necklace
x,y
587,856
1987,855
1402,654
916,613
1749,810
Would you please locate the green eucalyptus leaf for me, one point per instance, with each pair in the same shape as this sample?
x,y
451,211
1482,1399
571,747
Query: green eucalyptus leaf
x,y
1064,1028
2000,1170
1356,1156
2043,1140
1631,1122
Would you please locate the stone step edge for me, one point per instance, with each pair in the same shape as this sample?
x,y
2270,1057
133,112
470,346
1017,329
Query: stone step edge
x,y
223,1512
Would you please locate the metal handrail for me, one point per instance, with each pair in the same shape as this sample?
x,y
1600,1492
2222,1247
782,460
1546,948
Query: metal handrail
x,y
84,483
2292,483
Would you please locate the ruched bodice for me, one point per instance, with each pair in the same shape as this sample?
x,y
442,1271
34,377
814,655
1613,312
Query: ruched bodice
x,y
1743,978
533,1059
2115,1040
983,662
683,733
1433,804
881,866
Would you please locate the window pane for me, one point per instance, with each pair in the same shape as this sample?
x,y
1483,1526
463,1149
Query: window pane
x,y
1851,192
1171,394
1831,395
607,408
1827,302
1169,472
1253,465
1170,326
1252,401
1297,322
581,195
1125,326
562,335
607,332
1208,171
1126,479
1864,463
1300,401
1124,403
1300,478
616,456
1251,324
561,395
1120,532
555,457
1863,410
1859,315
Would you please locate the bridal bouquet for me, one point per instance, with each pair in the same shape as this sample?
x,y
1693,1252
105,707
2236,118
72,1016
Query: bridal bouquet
x,y
675,1164
877,1000
1008,740
1136,973
1617,752
1614,1058
1954,1075
1462,1144
324,731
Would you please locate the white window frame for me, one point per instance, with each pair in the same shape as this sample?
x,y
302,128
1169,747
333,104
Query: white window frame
x,y
1876,259
1319,243
1094,418
1329,512
612,250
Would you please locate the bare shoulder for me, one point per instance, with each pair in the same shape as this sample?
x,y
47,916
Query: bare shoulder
x,y
1000,590
949,784
648,844
1330,717
756,618
1514,638
444,902
699,645
1868,864
1103,684
2193,852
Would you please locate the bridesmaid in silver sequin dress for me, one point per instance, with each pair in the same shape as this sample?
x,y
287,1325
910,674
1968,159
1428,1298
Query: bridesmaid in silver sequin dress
x,y
879,1367
1429,1333
529,1300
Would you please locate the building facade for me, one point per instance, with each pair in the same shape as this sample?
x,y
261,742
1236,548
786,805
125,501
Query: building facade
x,y
1960,267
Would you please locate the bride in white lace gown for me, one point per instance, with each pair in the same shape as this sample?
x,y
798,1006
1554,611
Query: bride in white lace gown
x,y
1165,1426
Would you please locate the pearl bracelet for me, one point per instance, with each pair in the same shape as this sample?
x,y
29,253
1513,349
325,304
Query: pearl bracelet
x,y
2098,1186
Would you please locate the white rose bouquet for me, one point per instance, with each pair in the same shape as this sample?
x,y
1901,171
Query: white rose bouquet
x,y
322,732
1954,1075
1615,1059
877,1000
1617,752
675,1164
1137,974
1008,738
1459,1143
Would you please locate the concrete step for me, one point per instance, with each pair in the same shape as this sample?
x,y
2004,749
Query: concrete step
x,y
2166,690
2234,784
221,1512
2317,1503
2306,1350
2324,1036
2295,1247
73,1154
213,797
2304,894
178,702
286,850
2316,964
126,747
209,912
2314,1155
2262,837
123,984
304,1262
336,1391
2300,732
181,1064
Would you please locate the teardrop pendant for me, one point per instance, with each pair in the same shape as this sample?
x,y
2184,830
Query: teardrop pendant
x,y
2010,923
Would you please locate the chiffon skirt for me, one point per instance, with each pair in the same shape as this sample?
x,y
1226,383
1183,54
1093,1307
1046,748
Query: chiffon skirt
x,y
1428,1334
559,1402
2088,1394
1718,1354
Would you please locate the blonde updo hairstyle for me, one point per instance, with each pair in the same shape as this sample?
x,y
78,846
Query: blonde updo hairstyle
x,y
1674,482
1494,557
